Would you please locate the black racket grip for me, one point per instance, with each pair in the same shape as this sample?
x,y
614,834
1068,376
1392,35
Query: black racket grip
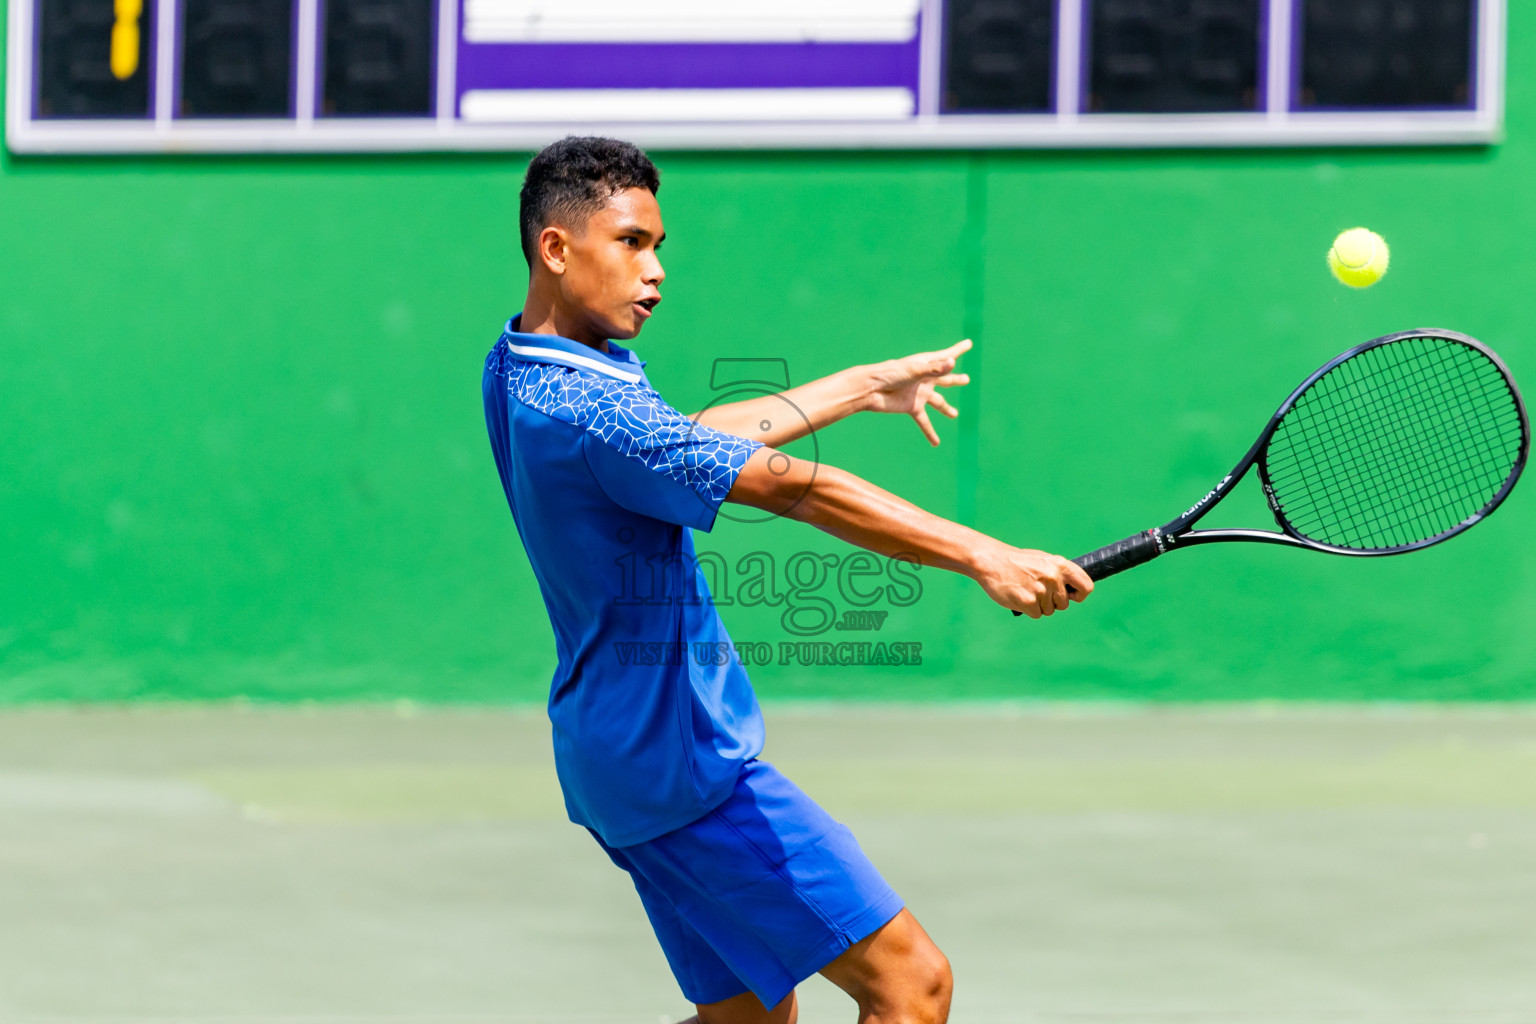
x,y
1118,557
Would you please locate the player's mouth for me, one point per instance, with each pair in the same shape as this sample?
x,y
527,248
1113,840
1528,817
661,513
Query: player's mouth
x,y
645,306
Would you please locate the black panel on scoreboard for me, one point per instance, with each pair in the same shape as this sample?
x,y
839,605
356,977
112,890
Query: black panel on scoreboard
x,y
1386,53
236,58
92,59
378,57
997,55
1173,56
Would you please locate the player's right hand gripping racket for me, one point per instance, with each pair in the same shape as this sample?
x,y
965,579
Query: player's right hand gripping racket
x,y
1399,443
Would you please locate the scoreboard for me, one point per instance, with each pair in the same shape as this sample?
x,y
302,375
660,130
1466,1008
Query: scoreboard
x,y
172,76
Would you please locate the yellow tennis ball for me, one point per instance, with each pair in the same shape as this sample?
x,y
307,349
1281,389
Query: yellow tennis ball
x,y
1359,257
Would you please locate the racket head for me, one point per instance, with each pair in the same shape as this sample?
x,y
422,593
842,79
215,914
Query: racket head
x,y
1397,444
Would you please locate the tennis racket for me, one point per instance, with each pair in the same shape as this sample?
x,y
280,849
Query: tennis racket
x,y
1399,443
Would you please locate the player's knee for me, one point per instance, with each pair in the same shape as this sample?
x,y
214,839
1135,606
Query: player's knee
x,y
944,978
936,983
745,1009
923,992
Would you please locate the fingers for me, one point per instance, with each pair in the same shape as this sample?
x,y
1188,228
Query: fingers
x,y
950,380
939,403
938,364
1049,585
1053,596
944,360
1067,584
1043,604
921,416
1078,579
929,367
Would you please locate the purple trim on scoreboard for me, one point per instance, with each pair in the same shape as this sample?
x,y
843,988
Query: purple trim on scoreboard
x,y
1261,66
1474,61
294,28
320,44
1293,87
177,35
686,65
37,65
1085,56
152,53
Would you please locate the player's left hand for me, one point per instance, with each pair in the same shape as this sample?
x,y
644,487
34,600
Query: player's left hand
x,y
909,385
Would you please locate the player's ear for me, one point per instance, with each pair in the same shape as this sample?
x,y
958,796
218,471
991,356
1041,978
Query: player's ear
x,y
552,249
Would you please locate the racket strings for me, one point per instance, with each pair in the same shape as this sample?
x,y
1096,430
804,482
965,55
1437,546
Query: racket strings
x,y
1439,500
1439,494
1396,445
1381,523
1398,454
1407,461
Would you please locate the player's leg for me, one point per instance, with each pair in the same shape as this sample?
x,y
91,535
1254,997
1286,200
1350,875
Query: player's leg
x,y
896,975
706,980
745,1009
765,891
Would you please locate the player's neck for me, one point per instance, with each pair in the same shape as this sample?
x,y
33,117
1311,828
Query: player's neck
x,y
543,316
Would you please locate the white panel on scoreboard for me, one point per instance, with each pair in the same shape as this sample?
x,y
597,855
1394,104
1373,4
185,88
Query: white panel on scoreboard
x,y
577,106
178,76
622,21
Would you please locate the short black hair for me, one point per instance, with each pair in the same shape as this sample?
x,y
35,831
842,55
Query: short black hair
x,y
570,180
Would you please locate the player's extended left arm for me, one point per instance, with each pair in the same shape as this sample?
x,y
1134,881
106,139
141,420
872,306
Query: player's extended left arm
x,y
855,510
907,385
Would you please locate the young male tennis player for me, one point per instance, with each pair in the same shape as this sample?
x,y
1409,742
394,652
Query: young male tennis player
x,y
750,886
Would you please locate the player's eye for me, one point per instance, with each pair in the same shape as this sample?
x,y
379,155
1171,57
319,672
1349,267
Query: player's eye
x,y
632,241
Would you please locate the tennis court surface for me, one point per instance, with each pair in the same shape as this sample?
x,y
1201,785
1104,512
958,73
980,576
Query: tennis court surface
x,y
1079,865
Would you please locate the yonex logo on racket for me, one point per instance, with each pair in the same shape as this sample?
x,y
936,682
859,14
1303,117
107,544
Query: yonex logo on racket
x,y
1274,502
1211,494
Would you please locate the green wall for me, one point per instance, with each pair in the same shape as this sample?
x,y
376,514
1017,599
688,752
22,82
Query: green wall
x,y
244,454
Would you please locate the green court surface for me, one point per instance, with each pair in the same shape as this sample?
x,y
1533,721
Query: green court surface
x,y
1079,865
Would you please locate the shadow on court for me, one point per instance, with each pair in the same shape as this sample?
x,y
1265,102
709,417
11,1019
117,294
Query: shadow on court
x,y
202,864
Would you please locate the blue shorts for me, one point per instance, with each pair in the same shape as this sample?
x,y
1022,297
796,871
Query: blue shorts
x,y
757,895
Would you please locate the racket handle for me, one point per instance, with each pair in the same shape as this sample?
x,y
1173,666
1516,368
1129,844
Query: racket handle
x,y
1118,557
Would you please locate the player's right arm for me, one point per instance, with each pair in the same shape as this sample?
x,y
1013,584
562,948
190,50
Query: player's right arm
x,y
854,510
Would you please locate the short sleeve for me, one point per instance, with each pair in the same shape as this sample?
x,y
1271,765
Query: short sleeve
x,y
656,462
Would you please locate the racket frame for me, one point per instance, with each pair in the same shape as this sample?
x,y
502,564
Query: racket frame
x,y
1179,532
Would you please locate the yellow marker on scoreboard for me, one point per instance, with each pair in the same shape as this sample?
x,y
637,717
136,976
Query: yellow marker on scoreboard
x,y
125,38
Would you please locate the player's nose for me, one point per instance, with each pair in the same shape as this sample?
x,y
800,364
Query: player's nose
x,y
654,274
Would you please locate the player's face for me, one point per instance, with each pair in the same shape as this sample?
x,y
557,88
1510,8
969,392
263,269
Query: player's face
x,y
612,273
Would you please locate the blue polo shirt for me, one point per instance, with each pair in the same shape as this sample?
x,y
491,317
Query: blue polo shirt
x,y
606,481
